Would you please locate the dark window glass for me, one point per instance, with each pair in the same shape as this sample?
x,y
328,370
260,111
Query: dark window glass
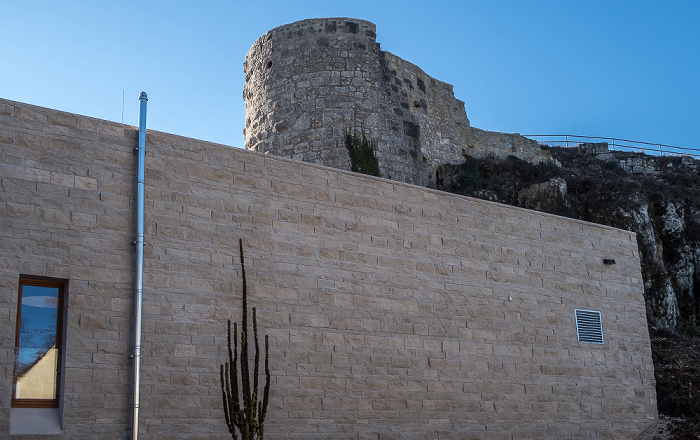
x,y
38,344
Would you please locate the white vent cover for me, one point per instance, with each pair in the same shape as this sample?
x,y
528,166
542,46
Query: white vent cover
x,y
589,326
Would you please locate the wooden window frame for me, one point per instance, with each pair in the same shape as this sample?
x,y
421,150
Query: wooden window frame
x,y
42,282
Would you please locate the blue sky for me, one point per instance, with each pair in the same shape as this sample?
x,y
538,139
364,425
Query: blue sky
x,y
625,69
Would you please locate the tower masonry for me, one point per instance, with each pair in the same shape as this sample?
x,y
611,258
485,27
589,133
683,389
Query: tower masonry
x,y
309,83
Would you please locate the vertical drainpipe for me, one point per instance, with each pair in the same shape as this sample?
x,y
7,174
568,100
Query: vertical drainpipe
x,y
143,98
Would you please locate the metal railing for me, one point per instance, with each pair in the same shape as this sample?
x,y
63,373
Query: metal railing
x,y
614,144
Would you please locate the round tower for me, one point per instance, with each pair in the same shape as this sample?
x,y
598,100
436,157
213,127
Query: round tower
x,y
309,83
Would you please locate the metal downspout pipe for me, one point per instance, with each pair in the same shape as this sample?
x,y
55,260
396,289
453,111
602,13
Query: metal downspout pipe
x,y
143,99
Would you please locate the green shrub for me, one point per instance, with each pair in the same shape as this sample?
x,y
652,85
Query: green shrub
x,y
362,157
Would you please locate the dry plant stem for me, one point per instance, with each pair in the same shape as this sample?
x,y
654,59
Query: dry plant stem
x,y
244,411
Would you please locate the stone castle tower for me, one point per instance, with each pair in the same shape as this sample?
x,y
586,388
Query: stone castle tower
x,y
309,83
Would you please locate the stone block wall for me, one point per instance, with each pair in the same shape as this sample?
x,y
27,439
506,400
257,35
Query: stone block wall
x,y
394,311
66,212
443,122
310,82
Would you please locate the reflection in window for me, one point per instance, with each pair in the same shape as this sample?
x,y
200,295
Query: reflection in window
x,y
38,344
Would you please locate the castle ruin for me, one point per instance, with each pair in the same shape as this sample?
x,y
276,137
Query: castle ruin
x,y
309,83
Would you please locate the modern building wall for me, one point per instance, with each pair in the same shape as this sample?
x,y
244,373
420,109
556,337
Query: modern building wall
x,y
310,82
393,311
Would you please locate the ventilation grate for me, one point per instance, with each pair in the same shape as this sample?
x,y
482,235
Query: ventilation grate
x,y
589,326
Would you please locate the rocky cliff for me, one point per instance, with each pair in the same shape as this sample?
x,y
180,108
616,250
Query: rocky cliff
x,y
656,197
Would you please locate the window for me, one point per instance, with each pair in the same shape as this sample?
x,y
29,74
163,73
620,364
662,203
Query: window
x,y
38,344
589,326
